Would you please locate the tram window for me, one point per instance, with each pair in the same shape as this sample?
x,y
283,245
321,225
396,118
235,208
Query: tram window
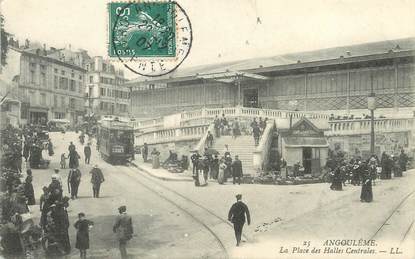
x,y
118,136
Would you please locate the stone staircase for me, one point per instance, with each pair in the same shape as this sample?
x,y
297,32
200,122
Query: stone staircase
x,y
243,146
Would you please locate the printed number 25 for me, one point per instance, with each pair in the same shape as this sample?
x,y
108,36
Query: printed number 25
x,y
125,11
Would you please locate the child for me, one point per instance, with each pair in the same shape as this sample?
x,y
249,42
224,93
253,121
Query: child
x,y
63,161
82,235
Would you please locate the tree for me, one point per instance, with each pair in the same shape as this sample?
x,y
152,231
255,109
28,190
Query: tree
x,y
4,42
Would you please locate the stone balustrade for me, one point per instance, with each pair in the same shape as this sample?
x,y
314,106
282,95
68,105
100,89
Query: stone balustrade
x,y
206,115
250,112
193,132
362,126
261,152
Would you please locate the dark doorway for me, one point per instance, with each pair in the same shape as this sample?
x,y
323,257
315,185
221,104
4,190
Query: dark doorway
x,y
307,156
251,98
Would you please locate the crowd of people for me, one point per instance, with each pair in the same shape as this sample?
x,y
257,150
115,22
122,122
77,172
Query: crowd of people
x,y
225,127
18,230
364,172
210,166
352,117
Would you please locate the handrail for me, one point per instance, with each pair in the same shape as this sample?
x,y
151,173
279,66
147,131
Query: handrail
x,y
261,152
171,135
201,144
238,111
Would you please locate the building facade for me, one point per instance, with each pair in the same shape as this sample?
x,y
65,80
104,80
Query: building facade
x,y
51,83
106,91
334,80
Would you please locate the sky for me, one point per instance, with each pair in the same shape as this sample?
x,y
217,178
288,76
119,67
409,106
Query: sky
x,y
224,30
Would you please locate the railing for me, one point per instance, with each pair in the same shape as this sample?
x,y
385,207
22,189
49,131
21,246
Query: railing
x,y
149,124
261,153
171,135
362,126
206,115
250,112
201,144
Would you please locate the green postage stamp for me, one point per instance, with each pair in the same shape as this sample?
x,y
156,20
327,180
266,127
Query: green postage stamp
x,y
142,29
150,38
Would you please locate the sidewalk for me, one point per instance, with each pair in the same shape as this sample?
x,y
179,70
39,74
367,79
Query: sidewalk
x,y
162,173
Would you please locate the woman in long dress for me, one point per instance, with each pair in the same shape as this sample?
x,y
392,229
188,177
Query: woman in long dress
x,y
82,226
337,184
366,194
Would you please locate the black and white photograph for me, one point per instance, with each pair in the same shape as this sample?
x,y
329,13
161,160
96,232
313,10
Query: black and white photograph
x,y
236,129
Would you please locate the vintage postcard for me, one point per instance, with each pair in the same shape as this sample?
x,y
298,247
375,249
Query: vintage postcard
x,y
207,129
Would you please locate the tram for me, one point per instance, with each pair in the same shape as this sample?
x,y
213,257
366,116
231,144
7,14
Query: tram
x,y
115,141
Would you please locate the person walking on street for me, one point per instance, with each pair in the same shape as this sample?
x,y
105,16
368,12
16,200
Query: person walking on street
x,y
82,226
123,227
403,160
28,188
145,152
237,172
71,147
73,159
97,178
74,179
236,215
50,148
87,153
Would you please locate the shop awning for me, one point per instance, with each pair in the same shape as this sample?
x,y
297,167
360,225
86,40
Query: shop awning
x,y
305,142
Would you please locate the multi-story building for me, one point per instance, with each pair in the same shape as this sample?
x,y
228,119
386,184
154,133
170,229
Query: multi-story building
x,y
51,82
105,91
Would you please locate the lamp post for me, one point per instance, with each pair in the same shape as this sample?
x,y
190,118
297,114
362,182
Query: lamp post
x,y
371,105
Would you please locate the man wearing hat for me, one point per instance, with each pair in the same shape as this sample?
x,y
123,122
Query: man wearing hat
x,y
123,227
97,177
236,215
237,172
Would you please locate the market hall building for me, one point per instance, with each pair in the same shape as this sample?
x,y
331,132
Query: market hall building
x,y
336,80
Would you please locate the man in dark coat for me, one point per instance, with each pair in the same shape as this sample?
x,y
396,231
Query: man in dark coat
x,y
74,179
403,160
216,123
28,188
97,178
145,152
256,131
237,172
336,184
195,159
123,227
73,159
209,139
236,215
50,148
215,167
71,147
87,153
